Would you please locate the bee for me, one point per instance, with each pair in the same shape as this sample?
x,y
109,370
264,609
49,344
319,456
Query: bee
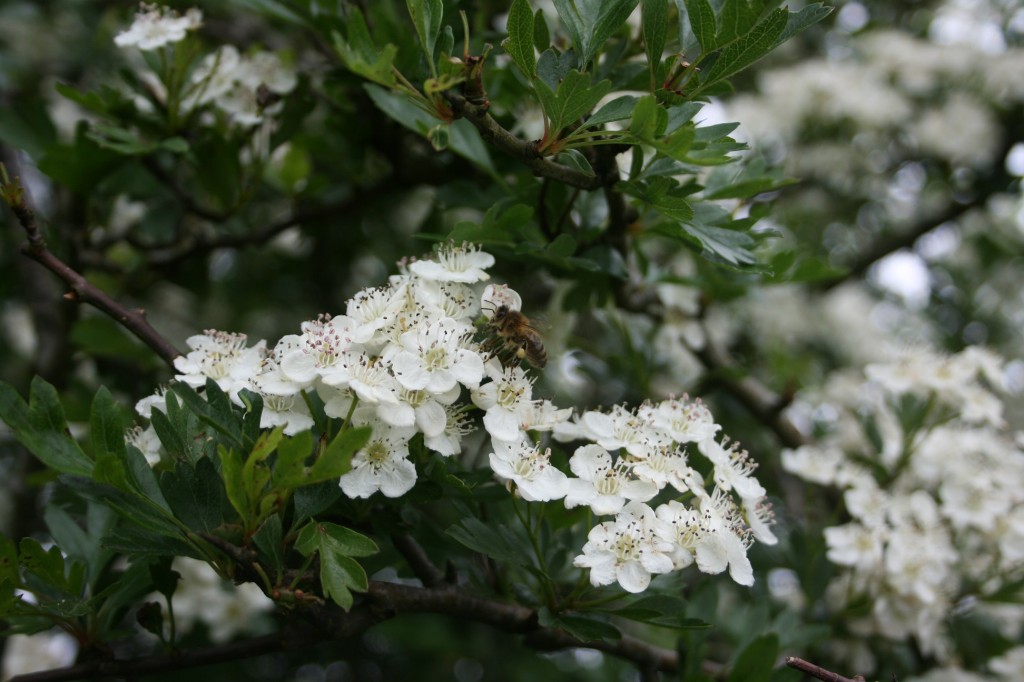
x,y
517,335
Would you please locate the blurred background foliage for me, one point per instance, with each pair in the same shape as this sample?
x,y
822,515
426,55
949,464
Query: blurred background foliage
x,y
902,124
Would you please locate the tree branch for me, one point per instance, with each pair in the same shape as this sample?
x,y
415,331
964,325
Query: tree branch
x,y
818,672
134,320
526,152
761,401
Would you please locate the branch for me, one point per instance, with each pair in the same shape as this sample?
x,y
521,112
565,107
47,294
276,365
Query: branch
x,y
429,574
526,152
903,240
817,671
766,405
134,320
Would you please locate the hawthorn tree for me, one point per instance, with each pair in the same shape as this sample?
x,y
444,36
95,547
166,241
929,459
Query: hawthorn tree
x,y
418,340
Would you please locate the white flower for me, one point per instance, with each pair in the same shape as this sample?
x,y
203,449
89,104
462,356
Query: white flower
x,y
24,654
382,464
374,309
423,410
147,442
543,415
665,465
204,596
685,421
158,26
221,356
725,539
523,463
457,426
759,516
602,486
506,401
158,400
626,550
323,350
497,296
619,429
465,263
434,357
855,545
733,469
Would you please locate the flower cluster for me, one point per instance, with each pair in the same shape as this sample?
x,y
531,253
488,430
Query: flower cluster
x,y
420,356
241,86
156,26
934,487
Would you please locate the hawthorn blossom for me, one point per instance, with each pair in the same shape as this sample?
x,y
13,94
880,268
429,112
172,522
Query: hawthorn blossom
x,y
505,400
601,485
425,411
465,263
457,426
156,26
733,468
435,357
620,428
323,350
523,463
382,464
221,356
626,550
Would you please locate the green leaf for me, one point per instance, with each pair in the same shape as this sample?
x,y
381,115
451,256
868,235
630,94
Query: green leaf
x,y
8,561
591,22
702,22
519,43
586,627
106,426
336,460
721,245
464,140
292,453
426,17
737,18
757,660
361,56
746,49
554,66
234,483
618,109
649,119
339,574
136,541
797,22
497,541
270,539
196,495
28,126
574,98
310,500
541,34
40,426
654,19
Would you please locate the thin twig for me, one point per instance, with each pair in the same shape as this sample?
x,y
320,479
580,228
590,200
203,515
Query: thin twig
x,y
421,565
526,152
819,672
134,320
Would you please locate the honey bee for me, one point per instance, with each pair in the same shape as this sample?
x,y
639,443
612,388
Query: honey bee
x,y
518,336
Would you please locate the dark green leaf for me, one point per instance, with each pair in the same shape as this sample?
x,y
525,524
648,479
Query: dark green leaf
x,y
574,98
618,109
654,18
427,16
196,495
136,541
585,627
541,35
27,126
40,426
270,539
702,22
310,500
591,23
746,49
649,119
554,66
519,43
359,54
497,541
805,18
757,660
106,426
